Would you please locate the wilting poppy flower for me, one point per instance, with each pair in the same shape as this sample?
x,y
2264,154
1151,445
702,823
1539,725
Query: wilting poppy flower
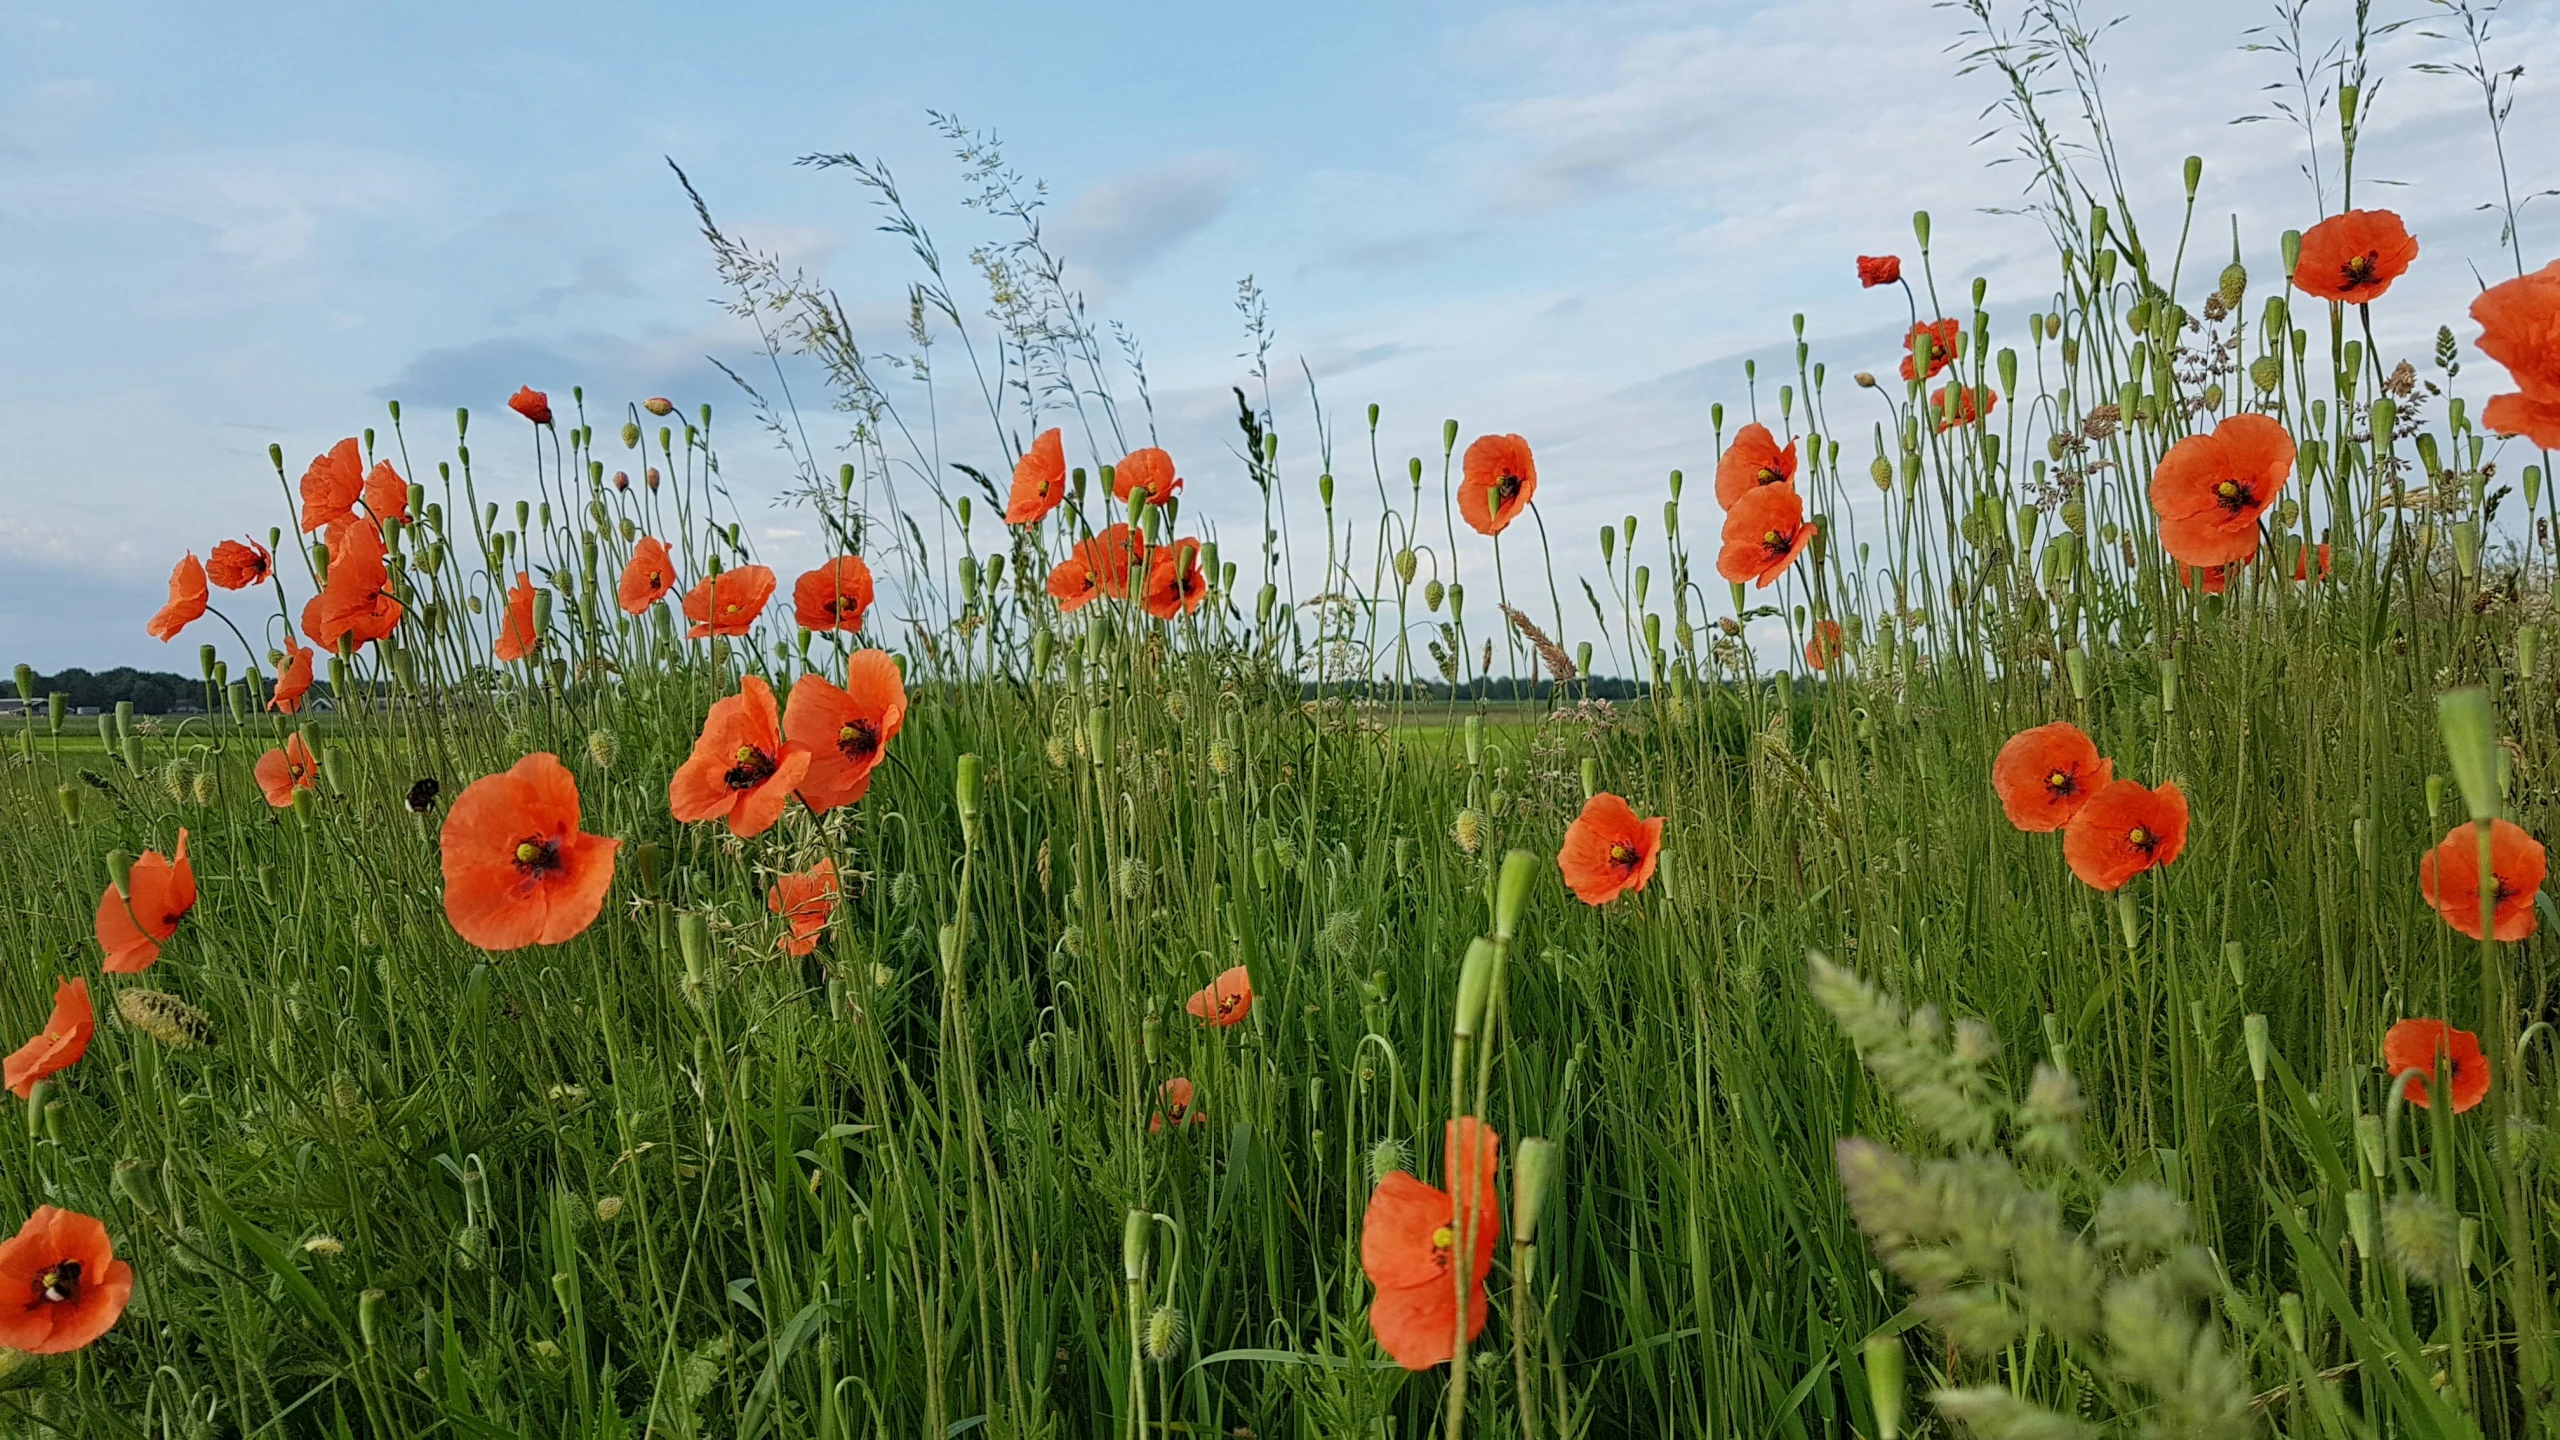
x,y
1224,1001
1941,335
64,1040
2449,876
833,596
1499,477
331,486
1039,480
2520,329
845,731
517,869
2210,489
2353,256
187,599
2212,579
1409,1244
1150,470
532,404
1751,461
386,495
1823,649
1875,270
355,604
65,1284
1173,1102
1608,850
2123,830
2302,562
649,578
1764,532
517,635
741,769
132,927
804,899
237,566
281,772
293,678
2044,775
1968,404
2416,1045
1175,585
729,602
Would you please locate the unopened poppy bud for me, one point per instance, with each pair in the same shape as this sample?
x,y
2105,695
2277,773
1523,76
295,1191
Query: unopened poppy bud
x,y
1324,489
964,789
2266,372
1457,600
1884,1384
120,873
2470,744
136,1181
66,798
693,938
1590,776
2532,486
1475,987
1267,599
2385,414
1433,592
2234,286
1511,893
1406,564
2169,670
2291,247
1582,657
1474,732
1880,470
2369,1143
2526,638
2466,548
2360,1222
305,805
1533,1174
133,754
2008,365
650,477
1920,227
968,577
1448,436
369,1317
2253,1035
2435,798
1133,1245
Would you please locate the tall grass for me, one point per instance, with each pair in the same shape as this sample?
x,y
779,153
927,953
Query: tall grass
x,y
665,1180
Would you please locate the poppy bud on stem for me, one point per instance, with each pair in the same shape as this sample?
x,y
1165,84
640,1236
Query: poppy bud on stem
x,y
2470,743
1884,1384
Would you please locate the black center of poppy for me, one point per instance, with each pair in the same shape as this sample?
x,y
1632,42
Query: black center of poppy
x,y
1771,475
2234,495
537,856
1775,542
1623,856
2059,782
753,768
859,740
60,1284
2359,271
2140,839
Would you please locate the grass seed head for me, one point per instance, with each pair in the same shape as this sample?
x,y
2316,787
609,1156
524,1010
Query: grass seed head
x,y
165,1018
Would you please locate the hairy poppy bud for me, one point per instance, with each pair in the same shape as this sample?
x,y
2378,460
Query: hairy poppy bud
x,y
1533,1173
630,435
2253,1034
1134,1228
693,938
1475,987
1433,592
659,405
120,873
1406,564
1881,471
965,791
2470,743
1519,871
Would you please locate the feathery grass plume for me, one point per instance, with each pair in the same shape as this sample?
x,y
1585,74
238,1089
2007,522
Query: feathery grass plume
x,y
2424,1237
1339,937
1164,1334
1550,654
165,1018
603,748
1939,1081
1996,1414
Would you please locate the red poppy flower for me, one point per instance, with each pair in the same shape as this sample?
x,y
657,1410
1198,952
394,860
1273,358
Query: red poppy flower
x,y
1970,402
1226,1000
132,927
729,602
1099,565
1175,585
845,731
355,604
741,770
1174,1103
2044,775
532,404
1608,850
2210,489
331,485
2520,329
517,635
1751,461
1875,270
1409,1242
64,1041
2123,830
517,869
649,578
2302,562
187,601
74,1288
2449,876
281,772
2354,256
293,678
1150,470
833,596
2212,579
237,566
804,899
1498,480
386,495
2416,1045
1039,480
1824,648
1764,532
1942,336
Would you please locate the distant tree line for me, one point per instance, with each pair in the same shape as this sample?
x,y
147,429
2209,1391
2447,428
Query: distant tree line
x,y
153,692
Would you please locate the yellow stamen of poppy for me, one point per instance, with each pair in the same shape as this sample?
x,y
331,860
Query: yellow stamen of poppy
x,y
2059,780
2138,837
527,852
1443,1238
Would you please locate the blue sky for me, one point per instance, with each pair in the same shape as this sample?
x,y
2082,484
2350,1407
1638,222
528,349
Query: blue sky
x,y
225,229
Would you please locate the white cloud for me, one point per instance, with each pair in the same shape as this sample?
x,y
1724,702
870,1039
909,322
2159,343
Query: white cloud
x,y
1118,226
